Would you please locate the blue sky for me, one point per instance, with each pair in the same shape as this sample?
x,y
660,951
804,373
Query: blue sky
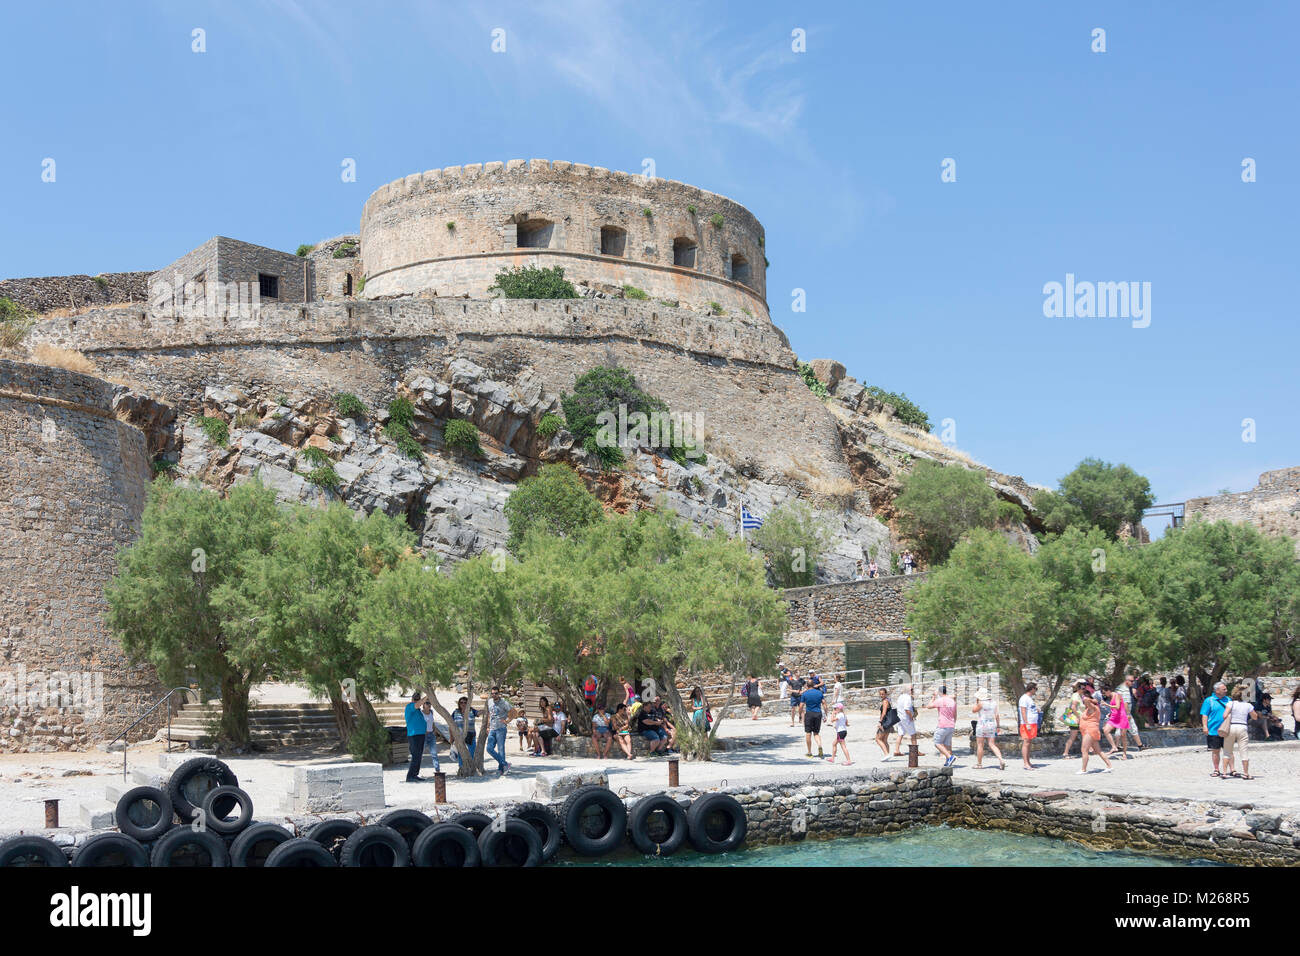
x,y
1115,166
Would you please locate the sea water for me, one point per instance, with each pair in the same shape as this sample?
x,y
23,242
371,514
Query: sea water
x,y
919,846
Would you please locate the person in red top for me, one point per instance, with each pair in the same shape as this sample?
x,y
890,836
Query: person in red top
x,y
947,708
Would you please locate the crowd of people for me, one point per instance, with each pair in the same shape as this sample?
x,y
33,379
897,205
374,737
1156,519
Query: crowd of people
x,y
1102,718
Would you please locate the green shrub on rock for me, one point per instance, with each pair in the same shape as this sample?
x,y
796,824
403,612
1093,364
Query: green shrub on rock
x,y
461,434
530,282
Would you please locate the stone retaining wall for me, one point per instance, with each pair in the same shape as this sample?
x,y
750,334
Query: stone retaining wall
x,y
874,606
46,293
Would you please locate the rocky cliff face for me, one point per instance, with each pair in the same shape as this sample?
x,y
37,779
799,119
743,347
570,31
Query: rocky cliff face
x,y
454,499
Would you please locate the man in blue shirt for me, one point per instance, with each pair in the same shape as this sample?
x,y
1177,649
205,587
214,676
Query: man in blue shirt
x,y
416,726
1211,717
812,718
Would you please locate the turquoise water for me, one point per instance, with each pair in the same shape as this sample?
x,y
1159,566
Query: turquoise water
x,y
921,846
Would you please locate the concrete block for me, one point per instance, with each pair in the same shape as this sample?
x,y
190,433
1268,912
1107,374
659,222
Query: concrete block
x,y
554,785
335,788
97,814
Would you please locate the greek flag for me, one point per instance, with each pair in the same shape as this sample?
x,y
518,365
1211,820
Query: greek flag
x,y
748,521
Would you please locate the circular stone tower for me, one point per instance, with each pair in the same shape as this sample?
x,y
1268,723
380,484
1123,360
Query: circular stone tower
x,y
72,489
448,232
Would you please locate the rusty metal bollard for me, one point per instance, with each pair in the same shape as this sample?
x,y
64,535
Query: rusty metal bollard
x,y
439,787
51,814
672,772
913,755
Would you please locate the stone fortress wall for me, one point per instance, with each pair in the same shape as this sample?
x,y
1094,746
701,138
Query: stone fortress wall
x,y
451,230
1273,505
738,377
72,489
47,293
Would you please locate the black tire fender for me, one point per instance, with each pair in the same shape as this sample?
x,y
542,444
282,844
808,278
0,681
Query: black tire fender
x,y
25,850
409,823
445,845
300,852
473,821
219,802
192,780
639,822
611,820
716,823
542,819
110,849
331,834
510,843
375,845
136,818
253,846
176,848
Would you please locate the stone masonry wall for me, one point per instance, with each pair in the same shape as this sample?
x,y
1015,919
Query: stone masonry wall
x,y
46,293
452,229
226,260
874,606
1273,505
72,488
738,378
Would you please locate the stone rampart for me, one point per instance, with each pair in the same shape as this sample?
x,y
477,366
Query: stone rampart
x,y
1273,505
451,230
47,293
72,488
738,378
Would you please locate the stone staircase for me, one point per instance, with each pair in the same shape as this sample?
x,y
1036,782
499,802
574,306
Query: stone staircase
x,y
276,725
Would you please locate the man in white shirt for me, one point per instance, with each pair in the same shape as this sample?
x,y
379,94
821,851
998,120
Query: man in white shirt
x,y
906,719
1028,711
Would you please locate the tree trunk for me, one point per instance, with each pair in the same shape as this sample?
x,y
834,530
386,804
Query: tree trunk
x,y
344,721
234,729
1056,689
457,738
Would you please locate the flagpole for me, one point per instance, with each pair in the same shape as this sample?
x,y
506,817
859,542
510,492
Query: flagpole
x,y
740,520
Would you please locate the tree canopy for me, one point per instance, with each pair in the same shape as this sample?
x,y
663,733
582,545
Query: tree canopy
x,y
1098,494
940,504
792,539
556,501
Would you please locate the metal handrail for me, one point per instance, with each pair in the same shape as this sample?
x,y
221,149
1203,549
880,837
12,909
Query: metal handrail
x,y
158,703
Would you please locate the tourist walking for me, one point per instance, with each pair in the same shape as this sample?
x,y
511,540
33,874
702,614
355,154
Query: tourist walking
x,y
987,725
837,690
1165,703
629,691
1027,710
1090,732
888,718
947,710
796,705
908,562
1073,710
1118,722
873,570
620,724
1295,712
1212,710
906,720
1235,731
1130,701
841,741
416,728
753,694
498,709
812,718
783,687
